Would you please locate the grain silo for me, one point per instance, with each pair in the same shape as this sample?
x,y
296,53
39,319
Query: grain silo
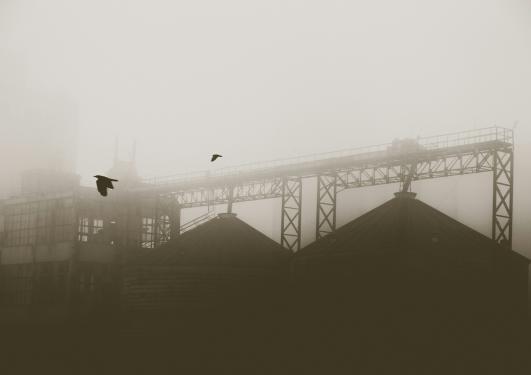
x,y
223,265
407,280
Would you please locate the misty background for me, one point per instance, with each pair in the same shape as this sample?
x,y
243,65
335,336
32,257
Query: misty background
x,y
264,80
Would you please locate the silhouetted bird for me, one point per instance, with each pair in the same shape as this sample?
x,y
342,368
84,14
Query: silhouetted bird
x,y
215,156
103,183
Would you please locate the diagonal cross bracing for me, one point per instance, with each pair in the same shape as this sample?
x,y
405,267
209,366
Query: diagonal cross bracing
x,y
502,202
290,236
476,151
326,204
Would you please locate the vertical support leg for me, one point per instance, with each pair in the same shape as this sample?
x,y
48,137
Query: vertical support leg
x,y
164,215
230,199
290,236
175,219
502,203
326,205
156,223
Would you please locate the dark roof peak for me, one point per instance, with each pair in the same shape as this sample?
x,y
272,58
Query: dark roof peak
x,y
408,223
405,195
223,240
225,215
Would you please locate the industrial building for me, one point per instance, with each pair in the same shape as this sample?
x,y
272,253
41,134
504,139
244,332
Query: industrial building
x,y
405,279
60,244
219,290
407,237
223,259
402,278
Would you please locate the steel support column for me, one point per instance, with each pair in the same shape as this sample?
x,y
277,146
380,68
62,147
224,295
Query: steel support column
x,y
175,219
502,202
156,222
326,205
230,198
290,231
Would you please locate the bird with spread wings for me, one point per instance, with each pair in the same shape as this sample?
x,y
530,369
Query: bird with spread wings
x,y
103,183
215,156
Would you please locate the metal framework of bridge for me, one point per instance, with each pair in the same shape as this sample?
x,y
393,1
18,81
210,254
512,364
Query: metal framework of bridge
x,y
475,151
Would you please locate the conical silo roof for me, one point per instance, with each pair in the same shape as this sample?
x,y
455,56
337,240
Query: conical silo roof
x,y
223,240
223,262
405,222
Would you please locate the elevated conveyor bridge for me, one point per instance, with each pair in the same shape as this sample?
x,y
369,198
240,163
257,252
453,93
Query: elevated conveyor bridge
x,y
474,151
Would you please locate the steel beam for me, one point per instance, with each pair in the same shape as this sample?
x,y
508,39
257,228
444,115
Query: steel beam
x,y
477,151
427,167
437,148
164,218
175,219
502,202
155,237
290,236
326,205
230,199
378,173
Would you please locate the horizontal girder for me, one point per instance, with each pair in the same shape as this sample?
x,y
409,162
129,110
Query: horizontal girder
x,y
377,173
436,149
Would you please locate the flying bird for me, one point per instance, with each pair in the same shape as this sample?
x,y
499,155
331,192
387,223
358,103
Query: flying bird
x,y
103,183
215,156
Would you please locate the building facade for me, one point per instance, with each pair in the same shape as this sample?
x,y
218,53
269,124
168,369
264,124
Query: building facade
x,y
60,249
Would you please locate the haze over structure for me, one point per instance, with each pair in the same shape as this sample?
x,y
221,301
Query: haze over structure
x,y
264,80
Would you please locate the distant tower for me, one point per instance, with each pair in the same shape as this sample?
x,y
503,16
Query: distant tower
x,y
124,170
42,142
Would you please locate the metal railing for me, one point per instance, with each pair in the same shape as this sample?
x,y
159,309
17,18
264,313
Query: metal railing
x,y
197,221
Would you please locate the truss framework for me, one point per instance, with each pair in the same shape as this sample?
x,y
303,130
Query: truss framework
x,y
246,191
156,218
484,150
290,236
326,204
502,203
426,168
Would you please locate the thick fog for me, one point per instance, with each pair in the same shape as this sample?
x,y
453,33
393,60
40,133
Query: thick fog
x,y
263,80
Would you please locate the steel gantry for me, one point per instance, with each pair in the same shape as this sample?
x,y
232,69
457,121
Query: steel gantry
x,y
290,228
326,204
475,151
502,203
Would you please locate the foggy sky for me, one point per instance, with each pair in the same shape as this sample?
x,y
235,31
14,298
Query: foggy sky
x,y
264,80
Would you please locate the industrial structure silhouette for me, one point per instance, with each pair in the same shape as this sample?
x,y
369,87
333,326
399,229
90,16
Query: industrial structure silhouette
x,y
126,268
